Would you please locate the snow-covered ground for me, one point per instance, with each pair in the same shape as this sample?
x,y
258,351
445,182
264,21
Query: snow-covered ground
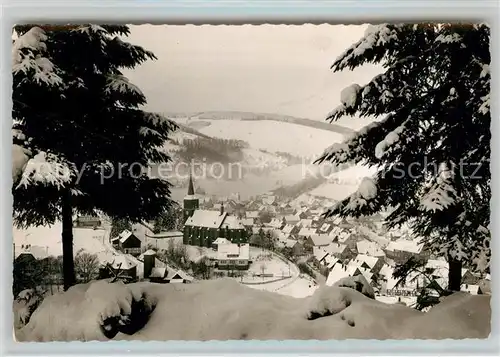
x,y
225,310
274,136
49,238
408,300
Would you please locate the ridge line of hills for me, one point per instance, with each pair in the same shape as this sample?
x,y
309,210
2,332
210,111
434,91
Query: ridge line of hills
x,y
240,115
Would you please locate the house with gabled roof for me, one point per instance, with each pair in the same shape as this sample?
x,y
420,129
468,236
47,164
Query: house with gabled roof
x,y
292,219
290,229
305,233
319,240
340,251
374,264
128,243
369,248
277,223
325,228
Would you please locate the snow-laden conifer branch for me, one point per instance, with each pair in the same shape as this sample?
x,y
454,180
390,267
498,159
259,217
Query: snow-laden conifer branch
x,y
371,48
28,59
46,169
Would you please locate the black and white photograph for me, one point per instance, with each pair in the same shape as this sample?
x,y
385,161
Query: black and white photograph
x,y
251,182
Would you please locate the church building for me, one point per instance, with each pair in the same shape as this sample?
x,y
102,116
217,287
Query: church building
x,y
203,227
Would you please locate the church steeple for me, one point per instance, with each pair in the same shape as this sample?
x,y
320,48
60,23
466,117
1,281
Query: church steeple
x,y
190,186
191,203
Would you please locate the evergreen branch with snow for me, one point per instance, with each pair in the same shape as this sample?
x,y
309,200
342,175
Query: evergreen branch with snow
x,y
434,93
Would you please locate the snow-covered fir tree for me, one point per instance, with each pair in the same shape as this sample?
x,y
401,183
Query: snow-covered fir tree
x,y
431,140
80,121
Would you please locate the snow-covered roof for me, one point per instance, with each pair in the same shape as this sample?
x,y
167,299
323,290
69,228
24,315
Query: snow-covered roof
x,y
252,214
307,232
370,261
233,251
220,240
157,272
205,218
232,222
330,261
287,228
292,218
319,253
149,252
324,227
335,248
386,271
247,221
123,236
290,243
321,239
337,272
306,223
276,223
121,262
369,248
404,245
471,289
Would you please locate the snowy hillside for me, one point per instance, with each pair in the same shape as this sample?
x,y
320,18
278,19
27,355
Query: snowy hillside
x,y
274,136
341,184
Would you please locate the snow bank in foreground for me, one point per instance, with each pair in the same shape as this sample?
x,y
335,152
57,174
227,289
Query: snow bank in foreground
x,y
225,310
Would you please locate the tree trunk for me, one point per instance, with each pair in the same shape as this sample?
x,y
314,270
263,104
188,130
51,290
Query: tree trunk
x,y
454,274
67,241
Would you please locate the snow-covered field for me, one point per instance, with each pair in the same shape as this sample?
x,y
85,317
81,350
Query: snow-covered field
x,y
49,238
274,136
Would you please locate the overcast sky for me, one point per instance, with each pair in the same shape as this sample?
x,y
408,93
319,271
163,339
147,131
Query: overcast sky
x,y
267,68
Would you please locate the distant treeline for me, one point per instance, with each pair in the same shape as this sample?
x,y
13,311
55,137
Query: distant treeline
x,y
211,149
275,117
295,190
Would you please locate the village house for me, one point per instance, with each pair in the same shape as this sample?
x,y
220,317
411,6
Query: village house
x,y
128,243
373,264
167,275
219,241
277,223
254,215
290,229
305,233
292,219
305,223
294,247
87,221
202,227
317,240
158,272
340,251
369,248
401,250
233,257
325,228
247,223
120,266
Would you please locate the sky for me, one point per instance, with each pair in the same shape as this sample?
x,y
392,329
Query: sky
x,y
259,68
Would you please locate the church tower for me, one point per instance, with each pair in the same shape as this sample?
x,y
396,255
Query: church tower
x,y
191,203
